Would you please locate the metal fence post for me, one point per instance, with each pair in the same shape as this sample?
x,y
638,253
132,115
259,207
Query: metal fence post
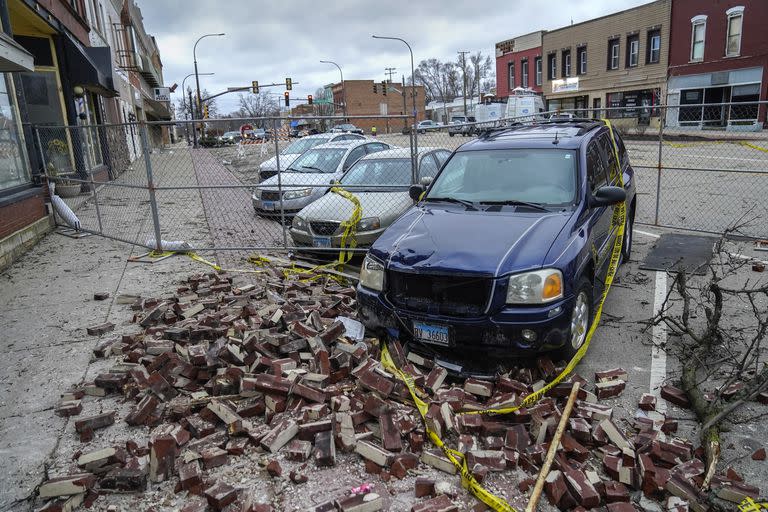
x,y
150,185
279,183
658,166
96,202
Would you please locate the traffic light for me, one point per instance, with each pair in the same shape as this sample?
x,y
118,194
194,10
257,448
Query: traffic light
x,y
375,88
287,99
384,87
288,84
309,99
255,87
205,111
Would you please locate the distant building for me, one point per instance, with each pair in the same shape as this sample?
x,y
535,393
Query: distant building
x,y
618,60
718,54
366,98
519,64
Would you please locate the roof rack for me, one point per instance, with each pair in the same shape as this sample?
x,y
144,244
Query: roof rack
x,y
495,130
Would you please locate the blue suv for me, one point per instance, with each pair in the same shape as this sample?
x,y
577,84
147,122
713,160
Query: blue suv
x,y
507,251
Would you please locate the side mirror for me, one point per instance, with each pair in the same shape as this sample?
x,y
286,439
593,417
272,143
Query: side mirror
x,y
426,181
608,196
415,191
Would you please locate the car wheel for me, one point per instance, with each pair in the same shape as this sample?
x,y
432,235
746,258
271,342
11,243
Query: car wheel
x,y
451,134
626,248
581,321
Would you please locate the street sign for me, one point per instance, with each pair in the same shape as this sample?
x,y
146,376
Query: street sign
x,y
162,93
244,128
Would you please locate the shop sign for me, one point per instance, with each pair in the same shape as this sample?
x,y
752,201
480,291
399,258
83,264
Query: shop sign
x,y
565,85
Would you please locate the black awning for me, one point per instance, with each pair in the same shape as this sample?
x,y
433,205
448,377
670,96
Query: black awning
x,y
90,68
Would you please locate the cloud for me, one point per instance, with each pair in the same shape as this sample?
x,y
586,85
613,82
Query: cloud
x,y
271,40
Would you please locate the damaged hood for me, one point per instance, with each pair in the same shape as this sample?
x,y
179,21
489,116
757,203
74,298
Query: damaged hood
x,y
431,238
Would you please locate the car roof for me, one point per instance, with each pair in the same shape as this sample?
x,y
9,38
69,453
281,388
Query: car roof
x,y
395,153
342,144
569,135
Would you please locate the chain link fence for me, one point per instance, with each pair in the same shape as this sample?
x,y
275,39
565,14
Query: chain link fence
x,y
272,184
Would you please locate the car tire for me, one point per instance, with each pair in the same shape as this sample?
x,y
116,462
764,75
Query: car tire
x,y
582,315
626,247
451,134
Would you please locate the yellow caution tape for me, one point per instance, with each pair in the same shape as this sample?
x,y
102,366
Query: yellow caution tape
x,y
457,458
759,148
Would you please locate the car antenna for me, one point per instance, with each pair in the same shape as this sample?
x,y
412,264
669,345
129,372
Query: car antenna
x,y
555,141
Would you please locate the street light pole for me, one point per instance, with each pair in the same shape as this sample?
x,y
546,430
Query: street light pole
x,y
413,95
343,89
464,80
184,92
197,76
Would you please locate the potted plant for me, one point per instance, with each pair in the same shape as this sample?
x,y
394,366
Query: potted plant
x,y
58,162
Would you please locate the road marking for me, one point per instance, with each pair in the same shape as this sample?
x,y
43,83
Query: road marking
x,y
659,339
646,233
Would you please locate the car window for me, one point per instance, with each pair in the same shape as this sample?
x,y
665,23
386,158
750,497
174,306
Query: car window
x,y
385,171
375,147
442,156
543,176
302,145
622,148
354,156
428,166
596,176
609,155
324,160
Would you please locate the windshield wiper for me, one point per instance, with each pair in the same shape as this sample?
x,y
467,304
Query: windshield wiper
x,y
312,167
292,169
468,204
514,202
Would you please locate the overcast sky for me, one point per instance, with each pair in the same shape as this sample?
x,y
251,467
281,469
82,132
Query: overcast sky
x,y
268,40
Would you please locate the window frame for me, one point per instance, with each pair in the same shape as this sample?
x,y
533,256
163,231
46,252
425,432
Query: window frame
x,y
733,13
537,66
524,78
634,39
511,74
614,43
653,34
566,55
581,58
552,65
701,21
594,146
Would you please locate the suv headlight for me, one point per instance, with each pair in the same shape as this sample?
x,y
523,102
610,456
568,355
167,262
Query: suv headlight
x,y
537,287
372,274
368,224
299,224
295,194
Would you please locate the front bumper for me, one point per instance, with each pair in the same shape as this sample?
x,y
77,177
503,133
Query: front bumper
x,y
363,238
497,334
273,208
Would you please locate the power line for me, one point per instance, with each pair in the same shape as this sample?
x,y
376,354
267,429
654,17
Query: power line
x,y
390,72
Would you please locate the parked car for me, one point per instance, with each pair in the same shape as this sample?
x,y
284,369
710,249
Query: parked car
x,y
347,128
268,168
423,126
231,138
507,252
257,133
388,175
460,126
310,176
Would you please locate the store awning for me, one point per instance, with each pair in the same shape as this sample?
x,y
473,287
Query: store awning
x,y
157,109
13,57
89,67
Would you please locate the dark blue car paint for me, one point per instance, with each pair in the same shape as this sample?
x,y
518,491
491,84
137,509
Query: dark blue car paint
x,y
441,238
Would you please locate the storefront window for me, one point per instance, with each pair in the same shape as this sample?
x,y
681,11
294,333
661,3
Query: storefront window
x,y
14,166
633,104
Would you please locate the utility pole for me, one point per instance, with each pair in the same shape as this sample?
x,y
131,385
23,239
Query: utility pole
x,y
405,107
479,82
390,72
464,72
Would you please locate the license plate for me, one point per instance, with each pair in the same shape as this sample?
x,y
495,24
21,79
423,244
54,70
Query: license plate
x,y
437,334
268,205
322,242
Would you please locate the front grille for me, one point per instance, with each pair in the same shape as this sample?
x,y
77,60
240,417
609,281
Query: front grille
x,y
324,228
269,195
439,295
265,175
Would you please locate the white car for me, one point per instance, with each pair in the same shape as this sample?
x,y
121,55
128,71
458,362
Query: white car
x,y
310,176
268,168
423,126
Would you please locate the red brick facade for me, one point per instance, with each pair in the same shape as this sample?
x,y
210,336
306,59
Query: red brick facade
x,y
21,214
363,101
518,59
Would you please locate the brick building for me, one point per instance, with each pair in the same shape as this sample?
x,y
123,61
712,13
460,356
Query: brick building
x,y
363,100
618,60
519,64
718,54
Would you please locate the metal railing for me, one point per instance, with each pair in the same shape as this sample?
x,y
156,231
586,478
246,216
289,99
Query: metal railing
x,y
128,183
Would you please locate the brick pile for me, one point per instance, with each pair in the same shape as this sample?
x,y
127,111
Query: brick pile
x,y
219,370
